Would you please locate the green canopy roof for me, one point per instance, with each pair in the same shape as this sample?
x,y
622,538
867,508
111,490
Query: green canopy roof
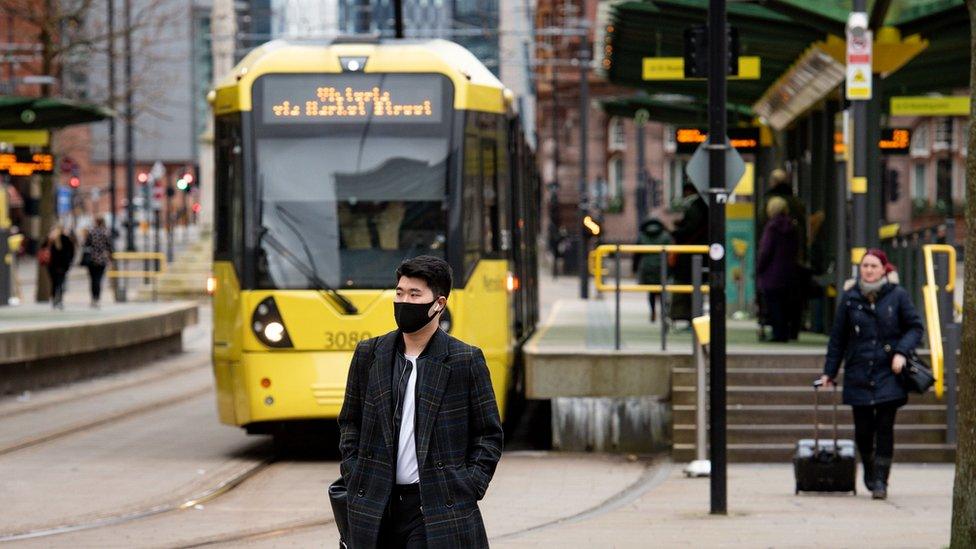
x,y
778,31
38,113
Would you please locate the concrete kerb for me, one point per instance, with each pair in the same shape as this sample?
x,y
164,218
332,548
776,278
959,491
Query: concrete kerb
x,y
53,352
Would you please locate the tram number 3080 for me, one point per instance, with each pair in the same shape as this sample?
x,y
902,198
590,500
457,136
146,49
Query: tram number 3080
x,y
344,341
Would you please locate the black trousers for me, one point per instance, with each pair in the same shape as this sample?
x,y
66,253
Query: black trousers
x,y
874,429
777,302
57,286
402,526
95,273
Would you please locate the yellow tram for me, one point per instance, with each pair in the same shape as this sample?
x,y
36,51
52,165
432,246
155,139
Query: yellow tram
x,y
334,162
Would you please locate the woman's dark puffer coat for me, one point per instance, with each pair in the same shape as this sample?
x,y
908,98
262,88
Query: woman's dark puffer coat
x,y
866,338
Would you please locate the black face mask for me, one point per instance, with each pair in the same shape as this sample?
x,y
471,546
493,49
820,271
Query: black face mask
x,y
411,317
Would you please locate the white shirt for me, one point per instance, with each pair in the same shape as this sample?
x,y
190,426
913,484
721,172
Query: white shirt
x,y
406,470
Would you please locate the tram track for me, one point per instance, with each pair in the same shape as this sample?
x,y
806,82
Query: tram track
x,y
103,420
204,496
195,363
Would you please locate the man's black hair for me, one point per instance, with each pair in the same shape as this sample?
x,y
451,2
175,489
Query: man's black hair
x,y
432,270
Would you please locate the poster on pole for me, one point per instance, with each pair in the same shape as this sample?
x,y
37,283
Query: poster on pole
x,y
858,85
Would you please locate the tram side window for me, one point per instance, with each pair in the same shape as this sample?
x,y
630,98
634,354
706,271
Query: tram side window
x,y
471,197
229,237
489,178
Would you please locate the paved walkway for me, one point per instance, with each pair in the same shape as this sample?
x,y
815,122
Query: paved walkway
x,y
575,324
763,512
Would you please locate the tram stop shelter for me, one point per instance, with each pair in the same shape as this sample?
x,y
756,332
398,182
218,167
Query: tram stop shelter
x,y
921,48
25,133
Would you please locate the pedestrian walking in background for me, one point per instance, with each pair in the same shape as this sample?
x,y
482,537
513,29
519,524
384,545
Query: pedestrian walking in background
x,y
60,255
875,329
652,231
776,266
419,424
96,253
692,228
781,186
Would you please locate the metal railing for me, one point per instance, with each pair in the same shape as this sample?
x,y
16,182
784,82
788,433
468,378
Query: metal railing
x,y
158,259
940,313
696,288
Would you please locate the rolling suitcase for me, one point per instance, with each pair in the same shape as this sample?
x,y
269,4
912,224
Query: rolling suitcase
x,y
825,465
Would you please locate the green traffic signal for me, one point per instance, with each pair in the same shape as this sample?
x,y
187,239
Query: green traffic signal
x,y
181,184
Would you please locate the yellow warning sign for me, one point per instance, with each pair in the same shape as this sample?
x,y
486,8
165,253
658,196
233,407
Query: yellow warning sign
x,y
859,77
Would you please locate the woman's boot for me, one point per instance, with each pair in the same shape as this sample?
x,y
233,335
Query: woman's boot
x,y
868,463
882,466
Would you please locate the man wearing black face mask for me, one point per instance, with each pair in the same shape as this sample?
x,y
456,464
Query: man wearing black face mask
x,y
420,434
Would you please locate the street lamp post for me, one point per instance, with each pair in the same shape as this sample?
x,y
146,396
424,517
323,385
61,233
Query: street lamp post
x,y
130,161
584,66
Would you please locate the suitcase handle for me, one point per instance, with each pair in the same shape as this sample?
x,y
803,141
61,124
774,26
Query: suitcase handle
x,y
816,415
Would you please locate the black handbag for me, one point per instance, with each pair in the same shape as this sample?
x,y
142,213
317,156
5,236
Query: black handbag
x,y
916,376
337,496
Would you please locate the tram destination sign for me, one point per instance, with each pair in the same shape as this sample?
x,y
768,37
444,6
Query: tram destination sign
x,y
744,140
350,98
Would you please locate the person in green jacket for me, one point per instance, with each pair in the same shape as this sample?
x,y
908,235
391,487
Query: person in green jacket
x,y
652,231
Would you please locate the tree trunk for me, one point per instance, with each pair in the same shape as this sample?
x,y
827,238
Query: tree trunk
x,y
964,491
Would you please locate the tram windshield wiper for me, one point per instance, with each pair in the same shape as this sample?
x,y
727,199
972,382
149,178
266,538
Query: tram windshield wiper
x,y
307,270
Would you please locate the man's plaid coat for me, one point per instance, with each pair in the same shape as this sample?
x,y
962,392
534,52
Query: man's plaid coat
x,y
458,438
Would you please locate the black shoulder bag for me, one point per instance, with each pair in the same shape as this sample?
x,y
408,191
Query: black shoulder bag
x,y
916,376
338,494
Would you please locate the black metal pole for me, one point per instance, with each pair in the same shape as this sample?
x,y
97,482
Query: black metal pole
x,y
616,300
398,18
859,157
112,198
642,191
130,161
584,64
717,66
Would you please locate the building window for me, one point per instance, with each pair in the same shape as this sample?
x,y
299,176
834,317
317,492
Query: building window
x,y
943,134
618,139
918,183
669,145
613,195
676,178
920,140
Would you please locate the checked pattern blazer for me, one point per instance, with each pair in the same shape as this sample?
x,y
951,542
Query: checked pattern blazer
x,y
458,437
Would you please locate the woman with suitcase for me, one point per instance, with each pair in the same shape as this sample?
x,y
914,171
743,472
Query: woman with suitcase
x,y
875,329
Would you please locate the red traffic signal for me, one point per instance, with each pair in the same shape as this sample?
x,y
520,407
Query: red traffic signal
x,y
197,207
74,182
142,177
188,177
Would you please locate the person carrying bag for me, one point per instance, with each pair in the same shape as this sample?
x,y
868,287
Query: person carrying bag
x,y
876,330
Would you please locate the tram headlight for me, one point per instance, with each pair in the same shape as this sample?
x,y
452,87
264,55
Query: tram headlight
x,y
268,326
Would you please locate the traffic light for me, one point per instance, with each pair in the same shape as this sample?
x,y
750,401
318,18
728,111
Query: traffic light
x,y
894,192
696,51
74,182
185,182
143,177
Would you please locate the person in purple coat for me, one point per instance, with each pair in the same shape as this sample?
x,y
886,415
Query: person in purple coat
x,y
776,268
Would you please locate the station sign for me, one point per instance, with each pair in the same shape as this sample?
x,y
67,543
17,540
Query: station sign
x,y
930,106
744,140
26,164
673,68
858,84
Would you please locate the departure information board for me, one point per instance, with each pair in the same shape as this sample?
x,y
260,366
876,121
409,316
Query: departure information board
x,y
351,97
